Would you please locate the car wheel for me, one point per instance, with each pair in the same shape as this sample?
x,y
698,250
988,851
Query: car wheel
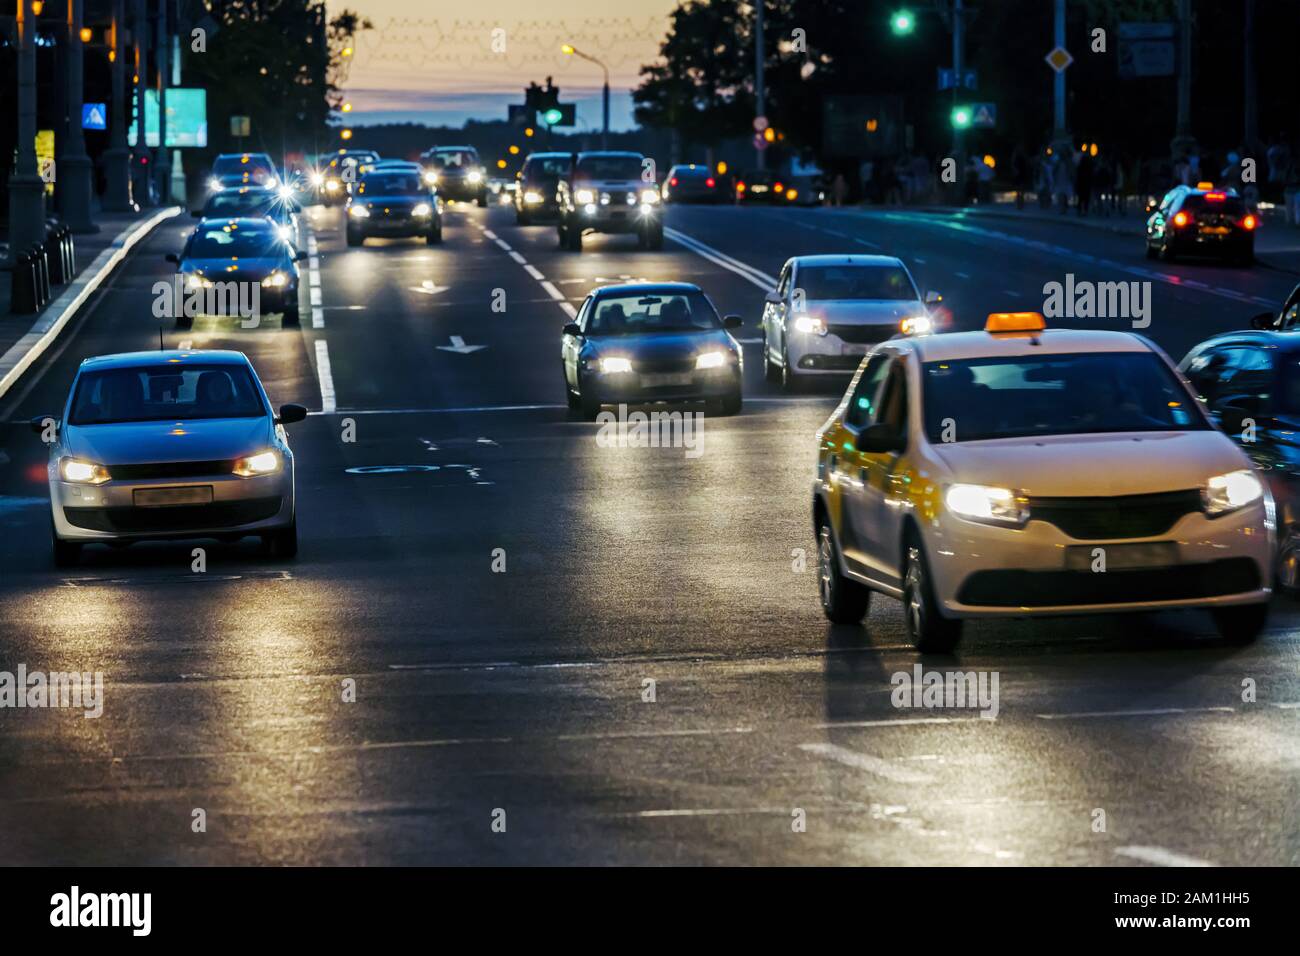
x,y
655,238
1166,250
482,199
843,601
435,236
790,379
66,553
930,631
588,403
731,404
521,218
1151,251
771,371
1288,564
563,236
355,239
575,239
283,542
1242,624
291,315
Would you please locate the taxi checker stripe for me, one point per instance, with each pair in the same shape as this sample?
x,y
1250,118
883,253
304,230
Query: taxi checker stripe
x,y
745,271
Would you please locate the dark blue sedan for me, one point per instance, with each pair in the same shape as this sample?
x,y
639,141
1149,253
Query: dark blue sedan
x,y
240,266
651,342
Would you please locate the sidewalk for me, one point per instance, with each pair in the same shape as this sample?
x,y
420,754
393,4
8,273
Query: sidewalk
x,y
23,338
1277,245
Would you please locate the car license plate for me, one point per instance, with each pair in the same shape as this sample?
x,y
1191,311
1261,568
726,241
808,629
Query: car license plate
x,y
1215,230
658,381
851,349
1119,557
171,497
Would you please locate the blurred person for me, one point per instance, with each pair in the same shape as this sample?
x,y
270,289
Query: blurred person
x,y
1084,182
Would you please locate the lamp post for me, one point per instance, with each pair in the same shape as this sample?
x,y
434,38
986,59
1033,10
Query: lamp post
x,y
74,180
117,171
162,170
570,50
26,188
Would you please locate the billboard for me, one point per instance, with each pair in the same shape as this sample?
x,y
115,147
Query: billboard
x,y
187,118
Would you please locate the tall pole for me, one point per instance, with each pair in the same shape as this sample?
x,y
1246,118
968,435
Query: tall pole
x,y
74,179
1184,143
1250,109
139,37
604,136
760,96
117,173
162,170
26,188
958,45
1061,141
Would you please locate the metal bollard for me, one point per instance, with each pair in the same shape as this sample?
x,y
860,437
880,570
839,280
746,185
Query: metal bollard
x,y
54,252
72,251
22,296
42,275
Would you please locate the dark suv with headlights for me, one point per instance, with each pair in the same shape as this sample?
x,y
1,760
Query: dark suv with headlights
x,y
612,192
459,173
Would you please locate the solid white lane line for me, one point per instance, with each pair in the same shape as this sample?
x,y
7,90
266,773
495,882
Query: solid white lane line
x,y
1159,856
867,763
1153,712
326,379
717,257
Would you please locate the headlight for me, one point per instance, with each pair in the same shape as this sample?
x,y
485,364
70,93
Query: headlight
x,y
649,196
615,365
275,280
331,185
317,179
584,196
285,192
809,324
263,463
916,325
1224,493
196,281
285,232
983,503
431,178
360,212
82,472
532,197
711,360
422,209
215,184
474,177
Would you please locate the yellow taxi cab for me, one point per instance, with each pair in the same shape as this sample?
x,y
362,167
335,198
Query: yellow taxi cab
x,y
1020,471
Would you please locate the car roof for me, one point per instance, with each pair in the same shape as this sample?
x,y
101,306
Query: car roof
x,y
1264,338
167,357
949,346
609,152
549,154
646,288
251,223
239,155
448,149
848,259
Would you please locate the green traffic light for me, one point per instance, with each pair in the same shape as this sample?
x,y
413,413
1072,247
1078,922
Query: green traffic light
x,y
552,117
961,117
903,22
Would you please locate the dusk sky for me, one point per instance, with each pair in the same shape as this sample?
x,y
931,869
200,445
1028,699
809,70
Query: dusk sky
x,y
434,63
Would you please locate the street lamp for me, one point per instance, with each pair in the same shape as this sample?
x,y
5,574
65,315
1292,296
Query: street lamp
x,y
570,50
902,22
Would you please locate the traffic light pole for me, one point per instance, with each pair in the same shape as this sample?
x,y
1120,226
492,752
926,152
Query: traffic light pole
x,y
759,92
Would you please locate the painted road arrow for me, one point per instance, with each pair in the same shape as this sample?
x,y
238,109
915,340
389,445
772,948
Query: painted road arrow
x,y
458,346
429,288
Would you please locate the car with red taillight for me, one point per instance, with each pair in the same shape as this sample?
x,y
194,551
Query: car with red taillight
x,y
1202,220
693,182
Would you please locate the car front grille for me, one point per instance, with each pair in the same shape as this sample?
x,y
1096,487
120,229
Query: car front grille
x,y
863,334
663,366
172,469
1129,516
213,517
1183,582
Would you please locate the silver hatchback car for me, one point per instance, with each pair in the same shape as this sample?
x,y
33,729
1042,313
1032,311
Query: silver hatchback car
x,y
166,445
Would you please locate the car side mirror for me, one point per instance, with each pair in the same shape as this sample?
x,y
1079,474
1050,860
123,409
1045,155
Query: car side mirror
x,y
732,322
1263,320
880,438
37,424
774,298
573,329
291,413
933,298
196,213
299,256
172,257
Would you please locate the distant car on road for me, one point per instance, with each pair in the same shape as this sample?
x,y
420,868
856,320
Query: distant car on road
x,y
535,198
828,311
1202,221
458,173
393,203
170,445
241,250
605,192
693,183
1249,385
651,342
1026,472
277,204
763,187
335,179
242,169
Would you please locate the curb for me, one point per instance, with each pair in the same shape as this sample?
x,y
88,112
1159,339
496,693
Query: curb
x,y
59,313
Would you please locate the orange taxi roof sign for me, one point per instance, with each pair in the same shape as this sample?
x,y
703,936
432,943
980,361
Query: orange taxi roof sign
x,y
1015,322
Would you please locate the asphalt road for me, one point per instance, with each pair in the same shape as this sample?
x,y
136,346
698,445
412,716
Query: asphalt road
x,y
520,696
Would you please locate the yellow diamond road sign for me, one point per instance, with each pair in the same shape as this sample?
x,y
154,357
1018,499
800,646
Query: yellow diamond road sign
x,y
1059,59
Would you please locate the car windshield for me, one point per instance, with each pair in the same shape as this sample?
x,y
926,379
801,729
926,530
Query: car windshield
x,y
668,312
608,167
228,205
234,165
855,282
392,184
979,399
685,172
232,240
158,393
454,159
549,168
